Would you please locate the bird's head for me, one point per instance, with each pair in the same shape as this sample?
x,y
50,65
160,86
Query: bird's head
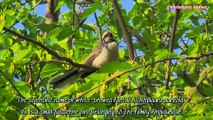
x,y
107,37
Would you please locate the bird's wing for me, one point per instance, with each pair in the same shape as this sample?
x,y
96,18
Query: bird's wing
x,y
66,78
96,51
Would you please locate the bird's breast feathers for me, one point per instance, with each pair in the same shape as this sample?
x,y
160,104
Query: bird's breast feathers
x,y
108,54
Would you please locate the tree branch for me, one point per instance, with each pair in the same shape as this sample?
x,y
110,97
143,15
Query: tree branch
x,y
132,53
189,81
140,39
46,48
36,4
171,47
99,27
51,15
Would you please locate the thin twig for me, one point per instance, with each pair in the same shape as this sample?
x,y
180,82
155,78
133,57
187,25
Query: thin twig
x,y
47,61
99,27
143,11
203,78
36,4
74,14
140,39
206,25
185,44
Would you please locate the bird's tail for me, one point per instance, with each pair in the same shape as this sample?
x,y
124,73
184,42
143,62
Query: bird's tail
x,y
65,79
62,80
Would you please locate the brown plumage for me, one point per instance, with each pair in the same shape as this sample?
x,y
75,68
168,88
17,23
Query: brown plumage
x,y
104,53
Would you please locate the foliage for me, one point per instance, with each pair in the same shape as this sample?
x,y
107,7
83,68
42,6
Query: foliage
x,y
25,67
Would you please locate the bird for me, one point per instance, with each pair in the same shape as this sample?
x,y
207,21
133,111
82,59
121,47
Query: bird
x,y
106,52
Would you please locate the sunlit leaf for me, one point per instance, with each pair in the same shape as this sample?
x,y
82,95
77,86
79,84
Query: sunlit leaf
x,y
121,54
189,90
23,14
102,90
49,70
23,88
2,20
115,66
166,54
134,82
91,9
21,54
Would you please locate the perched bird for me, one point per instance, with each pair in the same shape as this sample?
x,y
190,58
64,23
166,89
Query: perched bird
x,y
104,53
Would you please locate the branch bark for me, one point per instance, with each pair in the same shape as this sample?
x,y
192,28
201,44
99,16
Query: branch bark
x,y
171,47
127,38
46,48
189,81
51,15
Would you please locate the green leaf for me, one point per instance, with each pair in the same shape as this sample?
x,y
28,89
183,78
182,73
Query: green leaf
x,y
10,12
16,104
68,90
179,117
91,9
12,115
23,88
134,82
60,4
211,28
38,20
189,90
63,44
11,18
102,90
199,109
194,19
192,2
52,36
193,49
49,70
3,54
208,91
89,27
163,53
2,20
121,54
21,54
203,75
187,14
23,14
139,1
15,47
114,67
102,16
86,43
65,33
91,93
98,77
7,42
